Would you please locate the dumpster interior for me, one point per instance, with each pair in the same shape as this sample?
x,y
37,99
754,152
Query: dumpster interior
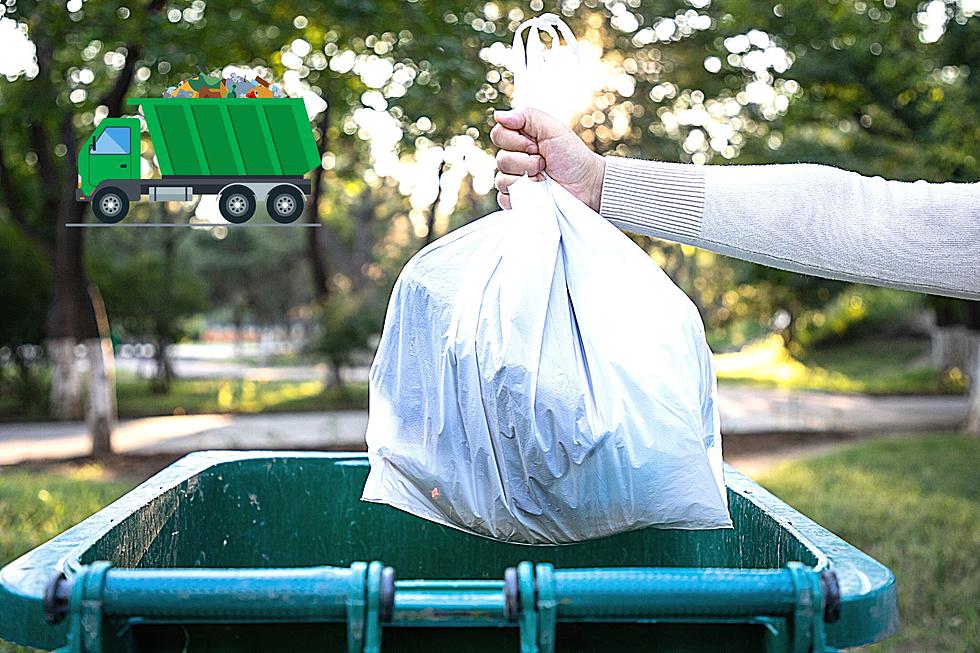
x,y
291,512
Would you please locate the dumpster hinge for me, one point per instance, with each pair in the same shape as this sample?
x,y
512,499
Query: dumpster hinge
x,y
370,599
529,599
810,610
85,608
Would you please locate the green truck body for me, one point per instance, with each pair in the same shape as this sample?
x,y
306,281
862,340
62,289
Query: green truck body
x,y
241,149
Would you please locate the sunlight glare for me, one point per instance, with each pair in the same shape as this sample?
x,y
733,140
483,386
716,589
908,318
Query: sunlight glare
x,y
17,51
561,84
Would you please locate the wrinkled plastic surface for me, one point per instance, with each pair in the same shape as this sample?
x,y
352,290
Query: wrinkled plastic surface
x,y
541,380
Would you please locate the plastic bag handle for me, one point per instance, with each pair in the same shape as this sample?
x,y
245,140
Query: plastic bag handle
x,y
529,59
526,64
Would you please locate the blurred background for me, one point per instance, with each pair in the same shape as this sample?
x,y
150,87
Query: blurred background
x,y
121,349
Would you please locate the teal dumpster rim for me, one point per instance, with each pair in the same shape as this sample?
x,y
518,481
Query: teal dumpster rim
x,y
868,600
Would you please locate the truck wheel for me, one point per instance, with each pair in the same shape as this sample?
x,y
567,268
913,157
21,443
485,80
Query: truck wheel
x,y
110,205
284,204
236,204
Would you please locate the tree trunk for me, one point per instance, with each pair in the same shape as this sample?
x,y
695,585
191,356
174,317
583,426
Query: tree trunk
x,y
100,409
314,248
66,382
71,320
335,379
973,418
101,405
163,374
430,223
164,322
951,347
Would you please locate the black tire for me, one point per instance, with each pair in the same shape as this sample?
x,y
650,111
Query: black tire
x,y
110,205
236,204
285,204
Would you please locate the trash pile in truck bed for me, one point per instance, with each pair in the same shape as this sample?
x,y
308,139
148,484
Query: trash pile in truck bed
x,y
214,86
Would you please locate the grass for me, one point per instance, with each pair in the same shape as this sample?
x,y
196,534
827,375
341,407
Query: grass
x,y
135,398
36,507
877,367
913,504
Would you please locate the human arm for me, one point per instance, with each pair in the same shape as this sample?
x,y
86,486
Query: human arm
x,y
806,218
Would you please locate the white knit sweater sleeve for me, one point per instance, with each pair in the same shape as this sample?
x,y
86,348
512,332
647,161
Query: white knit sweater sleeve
x,y
807,218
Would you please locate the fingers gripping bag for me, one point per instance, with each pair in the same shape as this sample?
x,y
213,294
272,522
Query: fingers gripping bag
x,y
540,380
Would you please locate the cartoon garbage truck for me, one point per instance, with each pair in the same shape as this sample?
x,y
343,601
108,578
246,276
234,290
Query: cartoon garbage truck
x,y
244,150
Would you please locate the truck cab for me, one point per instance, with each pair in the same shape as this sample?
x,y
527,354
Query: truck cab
x,y
112,152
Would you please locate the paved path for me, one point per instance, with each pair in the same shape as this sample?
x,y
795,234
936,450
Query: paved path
x,y
743,411
752,410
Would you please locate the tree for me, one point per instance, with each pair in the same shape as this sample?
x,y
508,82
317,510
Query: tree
x,y
250,276
150,289
426,68
349,322
23,286
87,60
869,86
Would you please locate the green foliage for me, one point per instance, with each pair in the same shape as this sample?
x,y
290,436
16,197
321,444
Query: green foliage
x,y
24,390
914,504
23,287
249,276
349,323
856,312
148,296
875,97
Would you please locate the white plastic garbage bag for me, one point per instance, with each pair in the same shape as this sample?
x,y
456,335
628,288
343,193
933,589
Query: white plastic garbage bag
x,y
541,380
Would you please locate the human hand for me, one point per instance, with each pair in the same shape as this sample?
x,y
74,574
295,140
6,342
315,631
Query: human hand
x,y
532,142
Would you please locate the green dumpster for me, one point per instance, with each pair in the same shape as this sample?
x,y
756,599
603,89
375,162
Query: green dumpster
x,y
268,551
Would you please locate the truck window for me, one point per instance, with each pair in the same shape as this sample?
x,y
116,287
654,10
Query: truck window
x,y
114,140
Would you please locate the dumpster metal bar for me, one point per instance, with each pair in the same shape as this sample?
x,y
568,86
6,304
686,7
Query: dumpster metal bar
x,y
599,593
544,596
98,593
455,603
238,595
365,596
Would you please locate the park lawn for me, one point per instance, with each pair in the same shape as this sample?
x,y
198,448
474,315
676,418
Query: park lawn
x,y
875,366
913,504
36,507
136,398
